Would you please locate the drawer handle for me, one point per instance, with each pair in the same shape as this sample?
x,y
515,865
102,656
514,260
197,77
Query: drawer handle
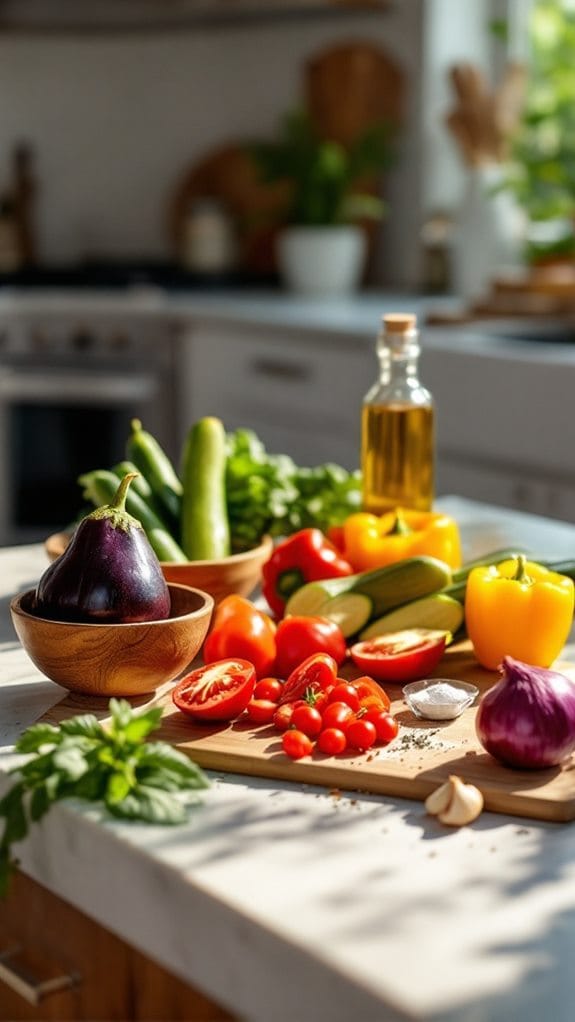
x,y
29,988
280,370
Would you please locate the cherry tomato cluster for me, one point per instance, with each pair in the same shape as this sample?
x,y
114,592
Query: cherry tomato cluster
x,y
315,708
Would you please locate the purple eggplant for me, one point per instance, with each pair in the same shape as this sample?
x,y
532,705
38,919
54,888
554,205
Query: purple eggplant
x,y
108,572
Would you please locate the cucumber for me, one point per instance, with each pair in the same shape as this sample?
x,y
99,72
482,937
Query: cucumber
x,y
205,525
351,611
387,587
100,487
151,460
142,487
437,611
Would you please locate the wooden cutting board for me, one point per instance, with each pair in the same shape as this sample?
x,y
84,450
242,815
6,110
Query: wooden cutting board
x,y
423,755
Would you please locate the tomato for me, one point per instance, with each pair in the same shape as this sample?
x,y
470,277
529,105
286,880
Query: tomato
x,y
296,745
240,630
218,691
282,716
332,741
297,638
401,656
385,725
268,688
361,734
261,711
317,672
307,719
370,693
345,692
337,715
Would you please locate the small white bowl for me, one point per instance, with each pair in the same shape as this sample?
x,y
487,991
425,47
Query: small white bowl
x,y
447,709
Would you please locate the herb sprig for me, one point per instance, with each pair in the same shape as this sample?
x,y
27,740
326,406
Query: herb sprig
x,y
115,765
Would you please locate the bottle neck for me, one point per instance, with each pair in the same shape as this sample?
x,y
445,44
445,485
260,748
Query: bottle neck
x,y
398,359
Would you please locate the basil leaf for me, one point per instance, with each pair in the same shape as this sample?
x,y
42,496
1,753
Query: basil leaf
x,y
36,736
121,714
140,726
118,788
12,809
40,802
85,724
151,805
71,762
160,755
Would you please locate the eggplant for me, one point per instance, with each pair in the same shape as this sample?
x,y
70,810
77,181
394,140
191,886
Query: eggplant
x,y
108,573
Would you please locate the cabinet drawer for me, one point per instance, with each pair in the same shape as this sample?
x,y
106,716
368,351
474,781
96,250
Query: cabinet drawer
x,y
277,381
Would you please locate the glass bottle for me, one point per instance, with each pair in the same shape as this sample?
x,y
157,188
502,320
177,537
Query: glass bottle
x,y
397,427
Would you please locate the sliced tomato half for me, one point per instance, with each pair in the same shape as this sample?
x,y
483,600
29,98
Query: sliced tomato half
x,y
401,656
315,672
218,691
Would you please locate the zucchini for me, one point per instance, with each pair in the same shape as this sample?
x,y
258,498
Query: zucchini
x,y
205,525
437,611
351,611
141,487
387,587
151,460
100,487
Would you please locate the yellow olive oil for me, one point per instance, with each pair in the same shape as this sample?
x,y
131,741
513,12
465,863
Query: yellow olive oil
x,y
397,457
397,426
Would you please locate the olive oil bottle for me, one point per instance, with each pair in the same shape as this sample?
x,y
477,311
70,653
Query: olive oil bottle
x,y
397,428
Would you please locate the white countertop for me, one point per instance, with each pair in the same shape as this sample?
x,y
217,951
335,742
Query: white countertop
x,y
283,902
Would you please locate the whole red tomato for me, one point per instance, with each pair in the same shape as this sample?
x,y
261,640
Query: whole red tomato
x,y
297,638
239,629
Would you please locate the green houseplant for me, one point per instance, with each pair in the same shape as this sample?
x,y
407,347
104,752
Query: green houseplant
x,y
322,247
542,169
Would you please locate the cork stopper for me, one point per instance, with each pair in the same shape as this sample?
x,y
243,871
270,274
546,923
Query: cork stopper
x,y
399,322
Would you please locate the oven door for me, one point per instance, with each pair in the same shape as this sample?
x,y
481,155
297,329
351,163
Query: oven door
x,y
55,425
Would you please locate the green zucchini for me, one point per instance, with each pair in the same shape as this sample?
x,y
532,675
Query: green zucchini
x,y
151,460
351,611
142,488
387,587
205,525
100,487
437,611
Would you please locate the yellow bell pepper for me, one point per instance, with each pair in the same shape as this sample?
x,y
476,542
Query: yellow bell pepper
x,y
372,541
518,608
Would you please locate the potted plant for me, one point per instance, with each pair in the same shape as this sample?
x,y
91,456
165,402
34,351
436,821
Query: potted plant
x,y
321,247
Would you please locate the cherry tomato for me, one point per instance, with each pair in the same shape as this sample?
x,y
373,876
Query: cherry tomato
x,y
268,688
401,656
368,689
345,692
297,638
332,741
316,672
296,745
307,719
361,734
282,716
386,726
239,629
337,715
218,691
261,711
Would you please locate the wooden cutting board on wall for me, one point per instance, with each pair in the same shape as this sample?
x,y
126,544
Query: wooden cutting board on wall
x,y
418,761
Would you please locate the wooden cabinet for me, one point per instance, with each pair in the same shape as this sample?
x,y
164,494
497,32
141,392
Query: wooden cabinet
x,y
57,964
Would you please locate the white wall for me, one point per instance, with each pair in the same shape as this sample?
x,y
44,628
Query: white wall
x,y
115,120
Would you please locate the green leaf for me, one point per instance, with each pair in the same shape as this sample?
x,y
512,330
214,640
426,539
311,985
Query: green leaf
x,y
150,805
13,810
36,736
140,726
70,761
117,788
85,724
159,756
40,802
121,714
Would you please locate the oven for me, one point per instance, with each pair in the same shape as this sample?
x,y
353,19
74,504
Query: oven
x,y
70,383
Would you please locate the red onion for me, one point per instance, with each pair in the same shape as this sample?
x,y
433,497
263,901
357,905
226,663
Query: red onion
x,y
528,718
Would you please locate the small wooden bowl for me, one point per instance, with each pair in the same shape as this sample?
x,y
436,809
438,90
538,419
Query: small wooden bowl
x,y
239,573
115,659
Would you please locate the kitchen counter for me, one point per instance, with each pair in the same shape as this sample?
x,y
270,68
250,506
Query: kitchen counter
x,y
287,902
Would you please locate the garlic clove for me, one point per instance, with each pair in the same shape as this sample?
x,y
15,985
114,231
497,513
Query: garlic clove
x,y
438,801
455,803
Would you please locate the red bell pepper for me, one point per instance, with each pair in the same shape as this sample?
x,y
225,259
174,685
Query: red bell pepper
x,y
307,556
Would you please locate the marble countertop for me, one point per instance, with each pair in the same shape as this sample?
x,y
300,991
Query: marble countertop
x,y
284,902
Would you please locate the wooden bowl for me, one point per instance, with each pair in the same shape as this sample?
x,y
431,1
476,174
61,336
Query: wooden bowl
x,y
115,659
239,573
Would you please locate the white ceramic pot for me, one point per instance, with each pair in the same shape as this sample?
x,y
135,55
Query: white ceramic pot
x,y
322,260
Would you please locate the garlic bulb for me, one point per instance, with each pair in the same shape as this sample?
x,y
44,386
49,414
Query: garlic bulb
x,y
455,803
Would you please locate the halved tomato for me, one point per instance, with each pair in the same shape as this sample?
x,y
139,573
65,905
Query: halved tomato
x,y
218,691
370,692
316,672
401,656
